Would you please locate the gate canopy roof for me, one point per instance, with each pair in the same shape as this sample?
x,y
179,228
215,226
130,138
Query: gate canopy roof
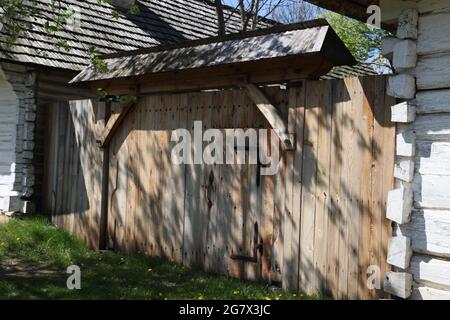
x,y
289,52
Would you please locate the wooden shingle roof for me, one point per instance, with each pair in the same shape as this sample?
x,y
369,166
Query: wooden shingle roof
x,y
272,55
314,37
159,22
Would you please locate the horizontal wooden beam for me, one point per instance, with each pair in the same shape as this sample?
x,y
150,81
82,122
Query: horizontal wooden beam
x,y
272,114
220,77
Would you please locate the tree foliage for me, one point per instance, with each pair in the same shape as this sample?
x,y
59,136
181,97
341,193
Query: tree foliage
x,y
362,40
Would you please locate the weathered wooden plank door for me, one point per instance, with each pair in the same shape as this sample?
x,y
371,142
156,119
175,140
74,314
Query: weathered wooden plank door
x,y
317,224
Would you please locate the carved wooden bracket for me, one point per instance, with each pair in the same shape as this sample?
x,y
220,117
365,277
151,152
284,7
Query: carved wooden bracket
x,y
113,124
273,116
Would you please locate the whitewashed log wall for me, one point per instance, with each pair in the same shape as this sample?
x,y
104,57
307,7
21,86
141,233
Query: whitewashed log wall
x,y
421,243
17,129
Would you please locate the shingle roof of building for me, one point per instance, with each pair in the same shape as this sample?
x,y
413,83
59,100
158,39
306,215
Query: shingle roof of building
x,y
158,22
342,72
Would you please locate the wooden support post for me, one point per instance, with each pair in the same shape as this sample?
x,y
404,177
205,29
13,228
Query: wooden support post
x,y
112,124
104,195
272,114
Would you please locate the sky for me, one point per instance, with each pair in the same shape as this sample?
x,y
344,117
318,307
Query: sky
x,y
234,3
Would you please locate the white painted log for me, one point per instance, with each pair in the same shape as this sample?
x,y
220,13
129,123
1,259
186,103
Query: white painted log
x,y
404,170
432,127
433,101
404,112
407,24
427,269
30,116
406,143
399,252
405,55
431,72
431,191
387,46
434,34
398,284
28,145
428,6
402,86
422,292
399,205
28,207
433,157
429,231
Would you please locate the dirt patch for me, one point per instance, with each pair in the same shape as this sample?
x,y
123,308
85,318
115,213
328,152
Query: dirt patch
x,y
3,218
11,267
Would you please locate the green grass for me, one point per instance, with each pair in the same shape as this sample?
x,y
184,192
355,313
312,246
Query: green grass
x,y
32,244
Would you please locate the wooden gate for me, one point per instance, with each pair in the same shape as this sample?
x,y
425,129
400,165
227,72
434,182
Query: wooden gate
x,y
315,226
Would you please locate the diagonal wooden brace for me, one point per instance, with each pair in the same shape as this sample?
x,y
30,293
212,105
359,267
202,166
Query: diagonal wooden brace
x,y
113,124
272,114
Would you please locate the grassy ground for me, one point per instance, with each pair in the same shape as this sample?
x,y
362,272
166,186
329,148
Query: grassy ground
x,y
34,257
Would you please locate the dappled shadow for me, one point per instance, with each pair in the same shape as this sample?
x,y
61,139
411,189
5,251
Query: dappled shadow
x,y
207,214
74,178
155,26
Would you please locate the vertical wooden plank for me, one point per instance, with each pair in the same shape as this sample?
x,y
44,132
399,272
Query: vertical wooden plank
x,y
152,171
164,207
237,241
193,224
140,158
309,178
322,187
279,204
225,190
50,162
346,174
293,190
267,217
179,178
336,210
132,189
353,182
365,189
251,192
